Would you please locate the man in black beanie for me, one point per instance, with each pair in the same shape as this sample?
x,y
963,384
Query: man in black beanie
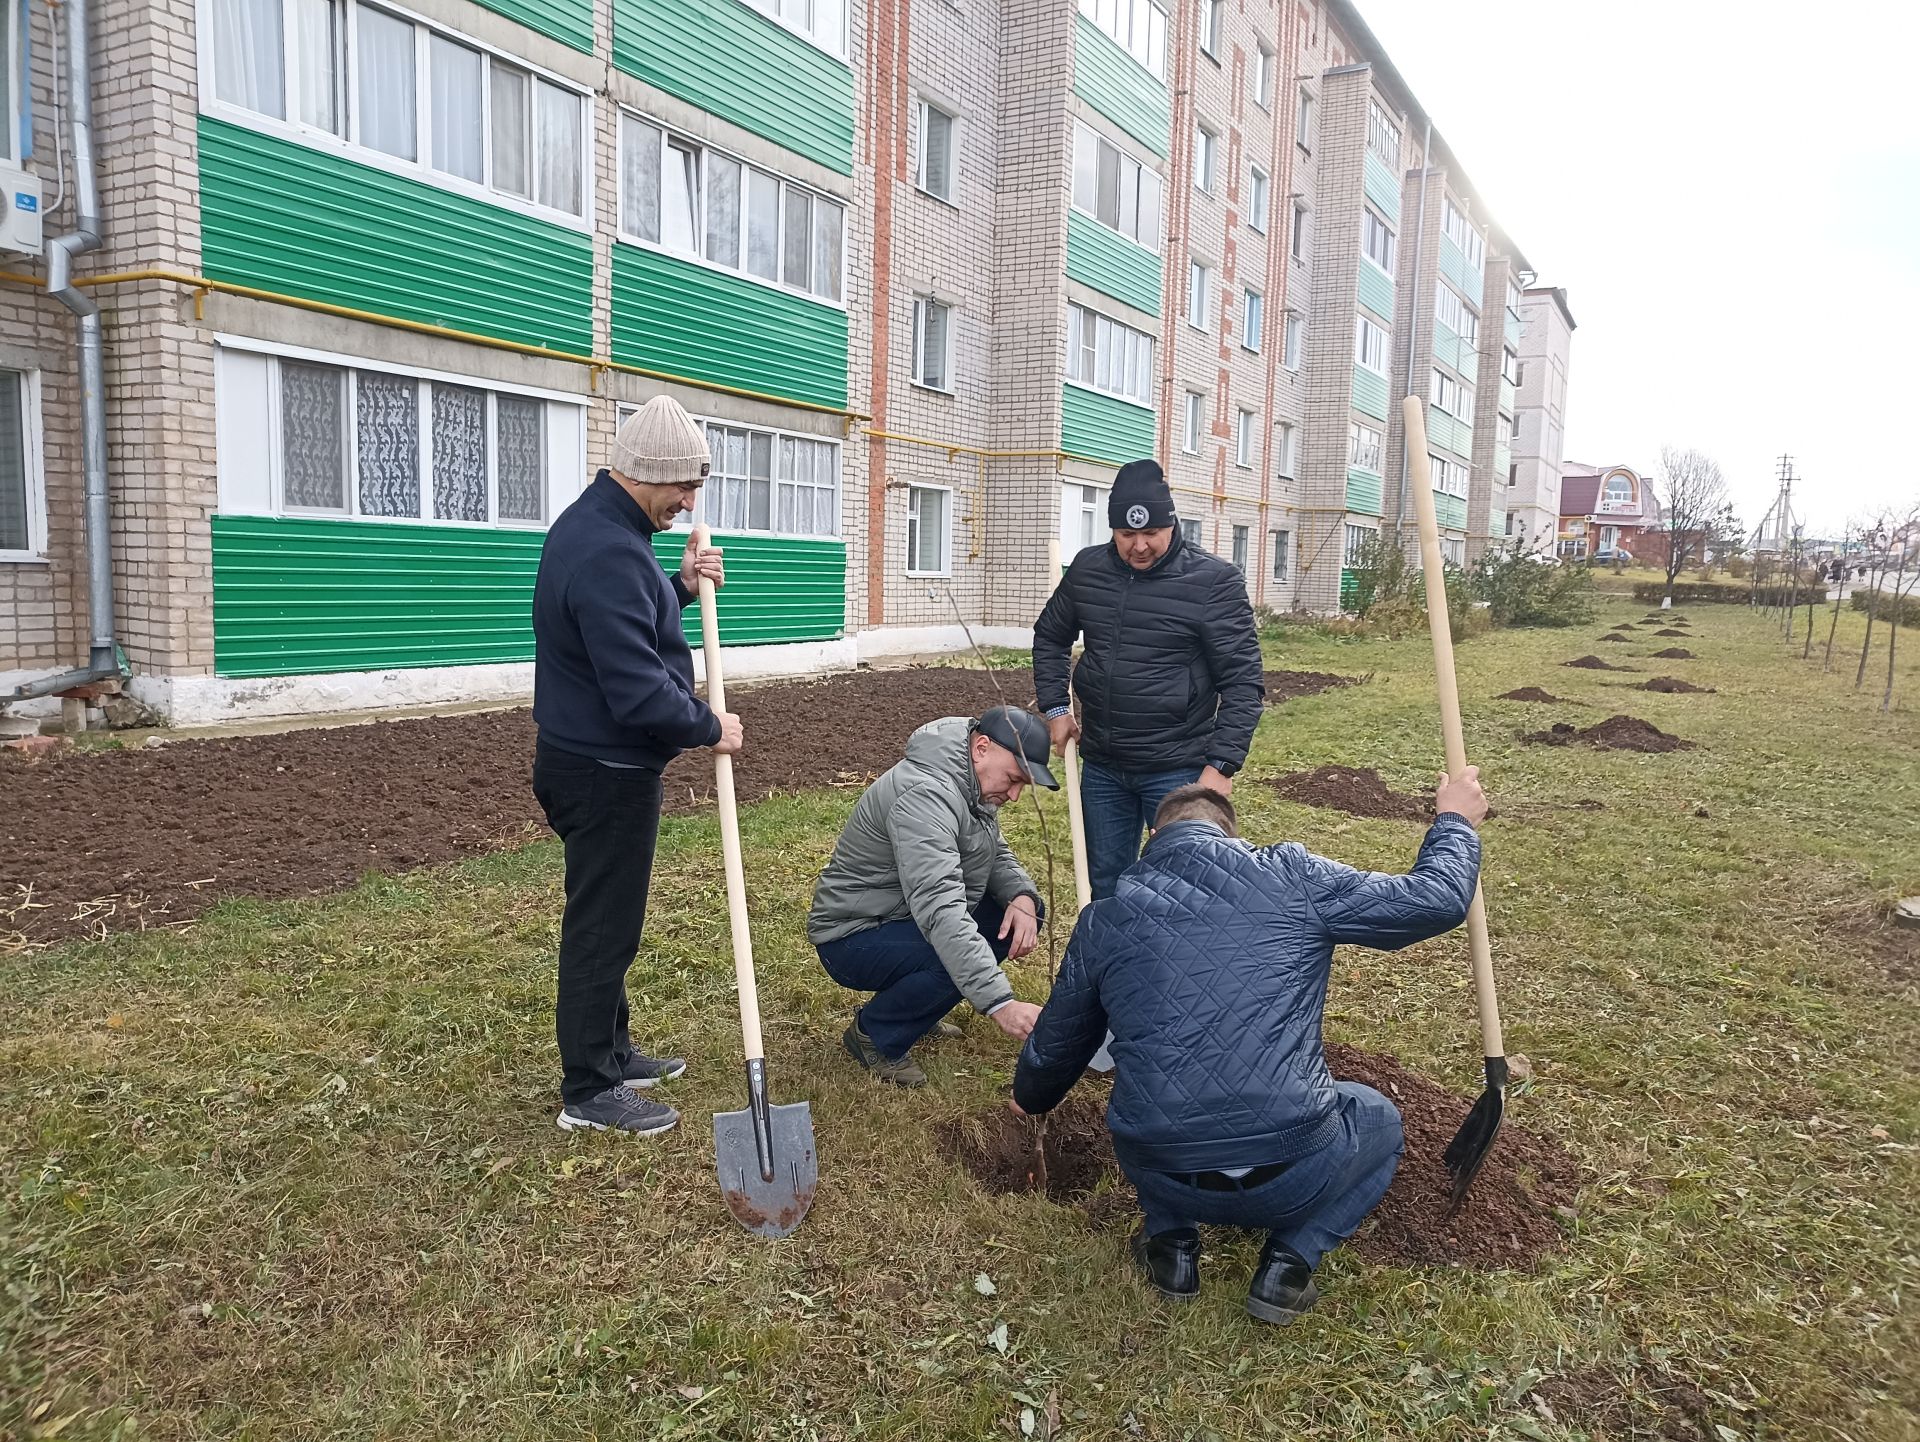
x,y
1170,684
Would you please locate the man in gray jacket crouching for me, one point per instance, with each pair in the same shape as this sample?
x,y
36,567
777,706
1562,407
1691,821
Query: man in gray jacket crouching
x,y
923,898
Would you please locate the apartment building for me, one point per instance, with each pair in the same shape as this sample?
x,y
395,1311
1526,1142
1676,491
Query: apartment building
x,y
1533,484
379,280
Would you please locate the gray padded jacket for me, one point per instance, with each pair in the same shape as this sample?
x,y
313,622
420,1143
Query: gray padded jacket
x,y
923,844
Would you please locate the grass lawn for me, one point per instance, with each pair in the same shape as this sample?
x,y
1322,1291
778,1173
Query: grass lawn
x,y
294,1173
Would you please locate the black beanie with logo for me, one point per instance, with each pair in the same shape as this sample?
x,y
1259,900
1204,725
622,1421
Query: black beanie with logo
x,y
1140,500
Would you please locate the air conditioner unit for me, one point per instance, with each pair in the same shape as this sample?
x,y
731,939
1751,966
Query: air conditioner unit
x,y
20,228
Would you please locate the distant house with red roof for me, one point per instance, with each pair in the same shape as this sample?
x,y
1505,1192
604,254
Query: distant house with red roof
x,y
1605,509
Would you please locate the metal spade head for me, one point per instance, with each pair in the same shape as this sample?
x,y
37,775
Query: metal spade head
x,y
1474,1140
765,1157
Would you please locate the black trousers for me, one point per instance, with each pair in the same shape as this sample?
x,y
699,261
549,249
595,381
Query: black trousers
x,y
609,819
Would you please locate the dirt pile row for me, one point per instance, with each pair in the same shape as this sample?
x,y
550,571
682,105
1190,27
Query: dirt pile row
x,y
1594,663
1356,790
1535,693
1616,733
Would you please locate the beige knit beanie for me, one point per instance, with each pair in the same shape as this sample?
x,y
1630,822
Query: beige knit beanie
x,y
661,445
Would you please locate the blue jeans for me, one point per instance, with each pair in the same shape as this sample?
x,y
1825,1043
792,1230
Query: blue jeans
x,y
1119,806
1315,1204
911,989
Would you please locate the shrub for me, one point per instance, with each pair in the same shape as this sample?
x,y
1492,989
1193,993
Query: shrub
x,y
1907,609
1712,592
1390,591
1739,567
1521,589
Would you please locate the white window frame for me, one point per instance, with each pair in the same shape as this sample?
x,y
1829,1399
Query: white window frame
x,y
1259,198
348,145
1297,240
1128,171
1206,157
1450,477
1287,449
1253,320
1145,24
1509,366
1364,332
1304,117
1363,447
670,137
1294,342
1458,229
1191,531
34,471
1212,25
924,109
1246,438
1261,75
1083,507
1352,540
1376,234
1242,547
565,424
1134,356
1280,549
1383,134
914,489
1456,313
1199,295
917,348
686,521
835,46
13,56
1193,424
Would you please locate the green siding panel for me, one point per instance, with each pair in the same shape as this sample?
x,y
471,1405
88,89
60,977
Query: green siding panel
x,y
1450,511
1383,189
294,597
1506,396
1453,265
729,60
1496,523
1102,428
1513,330
1376,290
568,21
1120,88
1112,264
1502,463
1349,589
1369,393
1364,491
691,320
1449,435
286,217
1447,345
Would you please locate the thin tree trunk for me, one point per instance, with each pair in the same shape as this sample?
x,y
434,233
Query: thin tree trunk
x,y
1839,590
1873,602
1807,650
1893,631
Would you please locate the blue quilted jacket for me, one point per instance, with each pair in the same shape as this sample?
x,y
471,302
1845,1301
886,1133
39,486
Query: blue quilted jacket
x,y
1210,965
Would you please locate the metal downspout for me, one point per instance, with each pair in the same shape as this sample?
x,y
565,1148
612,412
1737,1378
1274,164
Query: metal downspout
x,y
1413,332
87,235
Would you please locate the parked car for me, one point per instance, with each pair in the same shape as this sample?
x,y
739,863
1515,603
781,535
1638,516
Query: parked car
x,y
1614,556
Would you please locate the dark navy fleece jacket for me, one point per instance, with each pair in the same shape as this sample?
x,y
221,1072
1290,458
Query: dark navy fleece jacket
x,y
612,671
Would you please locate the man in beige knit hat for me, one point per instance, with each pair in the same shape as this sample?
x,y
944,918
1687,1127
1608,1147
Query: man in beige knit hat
x,y
614,701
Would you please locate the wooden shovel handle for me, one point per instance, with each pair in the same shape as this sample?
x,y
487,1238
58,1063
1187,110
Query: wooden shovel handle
x,y
729,825
1454,738
1070,763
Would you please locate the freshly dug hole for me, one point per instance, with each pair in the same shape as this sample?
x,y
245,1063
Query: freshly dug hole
x,y
1673,685
1616,733
1534,693
1593,663
996,1148
1358,791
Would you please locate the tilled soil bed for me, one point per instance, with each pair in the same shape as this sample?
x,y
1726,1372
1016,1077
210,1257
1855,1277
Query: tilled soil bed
x,y
1594,663
1674,686
1356,790
1512,1215
1535,693
1616,733
122,840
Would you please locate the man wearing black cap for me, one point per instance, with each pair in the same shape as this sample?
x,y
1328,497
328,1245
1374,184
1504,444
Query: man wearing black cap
x,y
922,899
1170,683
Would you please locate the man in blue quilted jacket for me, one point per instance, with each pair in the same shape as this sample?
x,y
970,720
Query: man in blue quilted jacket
x,y
1209,964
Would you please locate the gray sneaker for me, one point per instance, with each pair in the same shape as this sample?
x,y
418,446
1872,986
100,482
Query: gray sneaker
x,y
903,1073
646,1071
618,1109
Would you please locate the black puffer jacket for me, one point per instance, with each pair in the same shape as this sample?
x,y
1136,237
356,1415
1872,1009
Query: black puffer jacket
x,y
1171,674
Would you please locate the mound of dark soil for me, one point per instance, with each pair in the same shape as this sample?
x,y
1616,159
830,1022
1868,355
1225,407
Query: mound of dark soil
x,y
1616,636
1669,631
1616,733
1510,1218
1534,693
1593,663
1285,685
1674,653
1674,686
1358,791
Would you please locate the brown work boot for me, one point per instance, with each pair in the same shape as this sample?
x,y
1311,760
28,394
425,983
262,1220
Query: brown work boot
x,y
902,1073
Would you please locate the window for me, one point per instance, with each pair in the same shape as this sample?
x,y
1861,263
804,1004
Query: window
x,y
1212,25
1369,345
933,155
1139,27
766,481
1260,76
1303,121
1519,371
1453,550
1282,542
1240,548
1449,477
1513,475
1452,396
927,531
824,22
1190,533
1574,549
1245,437
1082,518
1259,202
1502,433
1357,541
1509,366
1363,447
23,501
1618,495
1295,340
1457,228
423,98
1196,419
1376,241
1254,321
1513,296
1288,449
1456,315
1104,355
1115,189
1206,150
687,198
933,344
1299,242
1383,135
1199,281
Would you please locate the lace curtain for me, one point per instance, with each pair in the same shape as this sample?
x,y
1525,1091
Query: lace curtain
x,y
312,436
389,423
522,460
13,463
459,453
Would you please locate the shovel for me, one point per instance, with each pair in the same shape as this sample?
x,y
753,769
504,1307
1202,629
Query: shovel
x,y
1470,1145
768,1171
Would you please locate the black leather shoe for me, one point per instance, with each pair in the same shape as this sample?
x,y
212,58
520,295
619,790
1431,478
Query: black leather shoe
x,y
1171,1262
1282,1287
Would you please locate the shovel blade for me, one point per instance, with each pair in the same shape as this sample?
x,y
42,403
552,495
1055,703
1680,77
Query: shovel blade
x,y
1474,1140
767,1208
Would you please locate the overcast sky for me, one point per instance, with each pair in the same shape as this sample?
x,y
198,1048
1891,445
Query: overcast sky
x,y
1730,193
